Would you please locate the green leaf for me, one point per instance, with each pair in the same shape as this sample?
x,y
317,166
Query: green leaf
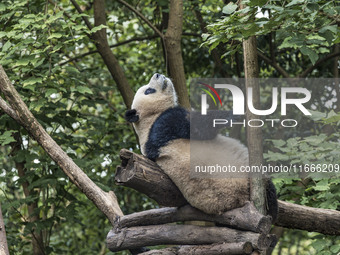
x,y
317,115
333,29
322,185
83,90
50,92
259,3
205,36
332,117
97,28
32,81
55,35
313,56
229,8
278,143
319,245
7,137
295,2
334,249
72,69
2,7
6,46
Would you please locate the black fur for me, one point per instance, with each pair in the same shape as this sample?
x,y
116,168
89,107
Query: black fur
x,y
202,125
172,124
272,206
149,91
131,115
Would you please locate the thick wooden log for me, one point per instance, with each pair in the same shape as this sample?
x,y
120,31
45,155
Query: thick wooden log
x,y
324,221
213,249
145,176
246,218
135,237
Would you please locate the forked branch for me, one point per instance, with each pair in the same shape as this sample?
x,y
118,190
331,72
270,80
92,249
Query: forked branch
x,y
105,201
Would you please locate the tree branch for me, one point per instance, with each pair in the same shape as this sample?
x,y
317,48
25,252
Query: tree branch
x,y
245,218
317,63
86,20
295,216
105,201
139,14
9,110
273,64
135,237
109,58
172,39
111,46
213,249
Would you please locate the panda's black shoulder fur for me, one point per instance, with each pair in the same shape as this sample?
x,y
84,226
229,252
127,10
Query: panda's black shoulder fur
x,y
173,123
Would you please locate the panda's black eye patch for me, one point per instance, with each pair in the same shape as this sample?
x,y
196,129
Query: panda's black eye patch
x,y
149,91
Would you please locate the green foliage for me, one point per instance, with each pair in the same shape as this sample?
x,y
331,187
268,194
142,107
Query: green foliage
x,y
312,190
44,49
306,25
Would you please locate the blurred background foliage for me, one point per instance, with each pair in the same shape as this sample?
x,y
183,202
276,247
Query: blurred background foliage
x,y
48,53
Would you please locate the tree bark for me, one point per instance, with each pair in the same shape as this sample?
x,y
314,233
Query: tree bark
x,y
289,215
105,201
3,239
135,170
214,249
135,237
33,215
324,221
107,55
173,49
105,52
254,134
336,66
245,218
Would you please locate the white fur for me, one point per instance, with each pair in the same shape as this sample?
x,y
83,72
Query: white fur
x,y
213,196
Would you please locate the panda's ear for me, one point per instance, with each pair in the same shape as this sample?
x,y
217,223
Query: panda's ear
x,y
131,115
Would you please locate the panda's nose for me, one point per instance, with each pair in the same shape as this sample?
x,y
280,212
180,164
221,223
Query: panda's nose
x,y
157,76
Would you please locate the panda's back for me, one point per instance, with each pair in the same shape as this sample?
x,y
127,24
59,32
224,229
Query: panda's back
x,y
211,195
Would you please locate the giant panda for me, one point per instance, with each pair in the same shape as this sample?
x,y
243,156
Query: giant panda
x,y
163,129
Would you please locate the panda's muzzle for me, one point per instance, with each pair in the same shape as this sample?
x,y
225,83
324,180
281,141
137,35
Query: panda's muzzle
x,y
165,84
161,79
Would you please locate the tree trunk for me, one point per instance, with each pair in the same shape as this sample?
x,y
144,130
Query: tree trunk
x,y
3,239
33,215
172,40
254,134
336,66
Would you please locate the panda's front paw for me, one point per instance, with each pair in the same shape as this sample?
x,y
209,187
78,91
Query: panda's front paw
x,y
131,115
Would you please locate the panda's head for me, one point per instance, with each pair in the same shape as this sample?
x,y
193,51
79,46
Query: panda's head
x,y
152,99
